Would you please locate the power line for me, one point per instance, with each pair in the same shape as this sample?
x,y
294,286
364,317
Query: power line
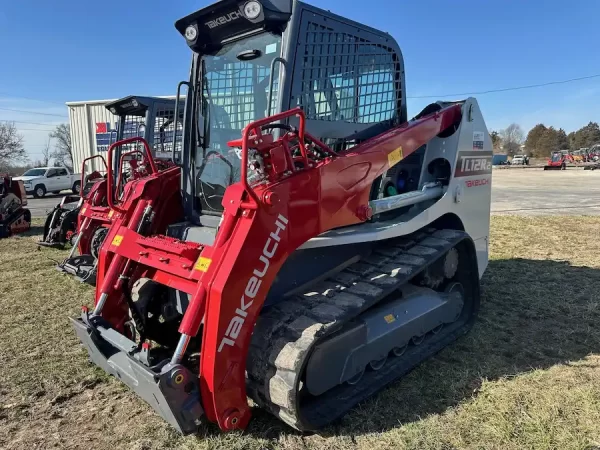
x,y
516,88
31,98
33,112
28,123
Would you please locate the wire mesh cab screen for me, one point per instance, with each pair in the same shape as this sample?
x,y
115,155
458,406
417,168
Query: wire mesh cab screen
x,y
165,129
347,79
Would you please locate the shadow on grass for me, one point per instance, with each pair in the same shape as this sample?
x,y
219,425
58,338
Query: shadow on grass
x,y
35,230
534,314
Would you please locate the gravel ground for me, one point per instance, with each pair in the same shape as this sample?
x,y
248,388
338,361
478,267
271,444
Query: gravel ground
x,y
539,192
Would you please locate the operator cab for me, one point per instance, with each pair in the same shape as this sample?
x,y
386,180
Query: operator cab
x,y
253,59
152,118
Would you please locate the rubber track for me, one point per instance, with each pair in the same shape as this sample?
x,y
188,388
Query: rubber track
x,y
285,333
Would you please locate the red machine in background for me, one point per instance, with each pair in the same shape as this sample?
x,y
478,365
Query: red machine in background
x,y
14,217
94,215
83,222
558,161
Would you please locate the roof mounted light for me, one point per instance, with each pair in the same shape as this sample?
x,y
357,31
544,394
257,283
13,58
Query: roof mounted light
x,y
191,33
252,9
135,103
113,110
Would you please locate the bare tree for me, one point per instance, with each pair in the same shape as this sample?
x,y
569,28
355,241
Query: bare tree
x,y
512,138
496,141
63,150
11,145
46,152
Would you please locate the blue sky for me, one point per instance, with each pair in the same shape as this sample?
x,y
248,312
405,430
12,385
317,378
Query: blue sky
x,y
70,50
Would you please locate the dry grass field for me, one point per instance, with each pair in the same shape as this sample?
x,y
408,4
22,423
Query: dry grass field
x,y
526,377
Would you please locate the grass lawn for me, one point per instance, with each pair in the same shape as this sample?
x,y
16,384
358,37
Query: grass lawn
x,y
527,376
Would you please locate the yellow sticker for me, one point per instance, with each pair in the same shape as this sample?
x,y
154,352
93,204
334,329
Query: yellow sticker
x,y
395,157
389,318
110,213
203,264
83,210
117,240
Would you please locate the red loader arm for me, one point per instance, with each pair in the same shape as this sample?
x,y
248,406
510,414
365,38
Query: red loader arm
x,y
262,225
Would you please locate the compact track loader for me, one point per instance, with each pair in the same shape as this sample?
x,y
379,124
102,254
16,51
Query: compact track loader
x,y
312,245
83,222
14,218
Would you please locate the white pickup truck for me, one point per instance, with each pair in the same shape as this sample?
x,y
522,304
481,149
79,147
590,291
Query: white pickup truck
x,y
41,180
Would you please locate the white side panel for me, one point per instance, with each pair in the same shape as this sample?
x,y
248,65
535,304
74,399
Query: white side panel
x,y
467,196
83,118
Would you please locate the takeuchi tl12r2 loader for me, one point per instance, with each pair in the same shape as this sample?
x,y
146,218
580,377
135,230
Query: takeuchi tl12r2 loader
x,y
312,245
84,221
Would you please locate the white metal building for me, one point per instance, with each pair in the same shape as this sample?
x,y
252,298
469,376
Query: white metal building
x,y
88,120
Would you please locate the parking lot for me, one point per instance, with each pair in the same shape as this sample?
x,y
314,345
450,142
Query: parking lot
x,y
514,191
538,192
40,207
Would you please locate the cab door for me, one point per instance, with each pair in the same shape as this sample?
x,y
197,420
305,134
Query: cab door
x,y
63,180
51,180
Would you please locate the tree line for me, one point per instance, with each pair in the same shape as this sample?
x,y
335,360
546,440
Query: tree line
x,y
14,157
541,140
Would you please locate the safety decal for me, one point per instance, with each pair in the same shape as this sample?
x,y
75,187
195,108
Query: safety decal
x,y
202,264
395,157
478,140
117,240
389,318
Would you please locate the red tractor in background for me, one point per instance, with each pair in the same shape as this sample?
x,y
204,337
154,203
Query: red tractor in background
x,y
83,222
558,160
14,218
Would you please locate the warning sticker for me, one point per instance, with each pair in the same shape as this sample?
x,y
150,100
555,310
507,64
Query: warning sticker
x,y
202,264
478,140
395,157
389,318
110,213
83,210
117,240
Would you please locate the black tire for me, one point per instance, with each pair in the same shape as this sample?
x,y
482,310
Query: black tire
x,y
39,191
76,188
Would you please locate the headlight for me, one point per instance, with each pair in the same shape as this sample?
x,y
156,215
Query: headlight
x,y
252,9
191,33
